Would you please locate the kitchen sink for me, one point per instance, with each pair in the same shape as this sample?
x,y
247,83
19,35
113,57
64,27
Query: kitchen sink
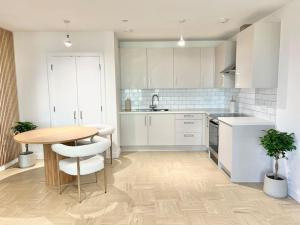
x,y
151,110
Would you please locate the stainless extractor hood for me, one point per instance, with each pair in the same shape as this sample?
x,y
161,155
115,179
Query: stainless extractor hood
x,y
230,70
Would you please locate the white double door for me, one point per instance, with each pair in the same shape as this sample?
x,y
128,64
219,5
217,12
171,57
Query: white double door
x,y
75,90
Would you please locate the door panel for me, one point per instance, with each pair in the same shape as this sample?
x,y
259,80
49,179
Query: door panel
x,y
207,67
160,67
89,90
134,130
161,129
63,91
187,68
133,68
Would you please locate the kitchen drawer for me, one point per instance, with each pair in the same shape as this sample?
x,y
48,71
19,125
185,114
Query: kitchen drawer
x,y
189,116
189,139
189,126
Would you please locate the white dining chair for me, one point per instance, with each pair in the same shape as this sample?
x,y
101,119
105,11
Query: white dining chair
x,y
104,130
83,160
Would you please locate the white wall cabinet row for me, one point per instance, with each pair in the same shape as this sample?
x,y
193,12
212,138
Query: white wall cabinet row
x,y
75,90
257,56
161,129
143,68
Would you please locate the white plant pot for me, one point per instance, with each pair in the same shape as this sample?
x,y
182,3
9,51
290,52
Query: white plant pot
x,y
275,188
27,160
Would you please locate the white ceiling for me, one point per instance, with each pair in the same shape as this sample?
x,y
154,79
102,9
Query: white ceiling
x,y
149,19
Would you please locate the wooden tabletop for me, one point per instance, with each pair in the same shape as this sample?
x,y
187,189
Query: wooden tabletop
x,y
55,135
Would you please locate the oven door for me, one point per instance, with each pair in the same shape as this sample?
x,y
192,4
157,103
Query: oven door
x,y
214,137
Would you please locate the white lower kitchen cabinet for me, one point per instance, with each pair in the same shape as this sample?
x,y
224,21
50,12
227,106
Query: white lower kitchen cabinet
x,y
134,130
161,129
240,153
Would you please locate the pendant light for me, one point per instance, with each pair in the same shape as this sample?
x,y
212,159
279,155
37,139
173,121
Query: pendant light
x,y
181,42
67,41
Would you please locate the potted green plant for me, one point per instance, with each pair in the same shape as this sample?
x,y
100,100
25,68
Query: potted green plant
x,y
27,158
277,144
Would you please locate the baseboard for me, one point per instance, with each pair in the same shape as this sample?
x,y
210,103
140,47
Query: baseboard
x,y
9,164
294,194
163,148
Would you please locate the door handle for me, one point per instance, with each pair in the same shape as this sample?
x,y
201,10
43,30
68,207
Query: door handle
x,y
74,114
81,117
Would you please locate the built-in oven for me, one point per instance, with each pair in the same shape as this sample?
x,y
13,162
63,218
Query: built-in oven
x,y
214,137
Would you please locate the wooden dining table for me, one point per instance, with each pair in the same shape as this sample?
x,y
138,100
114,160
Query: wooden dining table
x,y
55,135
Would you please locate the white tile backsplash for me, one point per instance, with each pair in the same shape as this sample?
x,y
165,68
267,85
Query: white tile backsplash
x,y
256,102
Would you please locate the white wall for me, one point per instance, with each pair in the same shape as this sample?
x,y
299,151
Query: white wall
x,y
288,103
31,50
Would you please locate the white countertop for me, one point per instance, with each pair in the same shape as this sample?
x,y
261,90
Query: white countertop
x,y
245,121
177,111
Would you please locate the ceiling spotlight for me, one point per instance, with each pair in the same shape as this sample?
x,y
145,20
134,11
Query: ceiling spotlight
x,y
67,41
223,20
181,42
124,21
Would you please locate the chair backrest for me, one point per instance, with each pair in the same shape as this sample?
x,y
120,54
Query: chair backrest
x,y
99,145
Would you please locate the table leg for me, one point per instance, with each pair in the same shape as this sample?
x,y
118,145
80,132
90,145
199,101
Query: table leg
x,y
51,175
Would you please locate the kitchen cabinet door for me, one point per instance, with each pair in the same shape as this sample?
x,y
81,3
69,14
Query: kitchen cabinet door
x,y
187,68
244,58
225,146
63,91
161,129
133,68
207,67
89,90
134,130
160,67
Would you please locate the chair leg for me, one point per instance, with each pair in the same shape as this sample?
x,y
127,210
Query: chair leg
x,y
96,177
105,181
111,158
58,174
78,179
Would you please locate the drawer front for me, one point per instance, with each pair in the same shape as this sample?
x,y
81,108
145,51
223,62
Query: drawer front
x,y
189,126
189,116
189,139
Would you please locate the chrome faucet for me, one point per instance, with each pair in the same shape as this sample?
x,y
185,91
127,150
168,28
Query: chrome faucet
x,y
152,106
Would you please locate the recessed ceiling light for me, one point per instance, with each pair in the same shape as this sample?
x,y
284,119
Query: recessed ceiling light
x,y
124,21
223,20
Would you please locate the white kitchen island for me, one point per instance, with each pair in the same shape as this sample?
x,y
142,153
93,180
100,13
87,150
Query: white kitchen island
x,y
240,154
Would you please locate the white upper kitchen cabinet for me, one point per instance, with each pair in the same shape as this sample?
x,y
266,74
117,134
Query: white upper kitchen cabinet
x,y
257,56
207,67
161,129
134,130
133,68
187,68
160,67
225,57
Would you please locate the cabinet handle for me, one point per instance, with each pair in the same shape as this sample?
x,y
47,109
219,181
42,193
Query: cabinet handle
x,y
74,114
150,120
145,120
81,117
188,115
188,135
185,122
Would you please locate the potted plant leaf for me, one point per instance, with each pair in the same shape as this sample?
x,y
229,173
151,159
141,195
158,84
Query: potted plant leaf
x,y
277,144
27,158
